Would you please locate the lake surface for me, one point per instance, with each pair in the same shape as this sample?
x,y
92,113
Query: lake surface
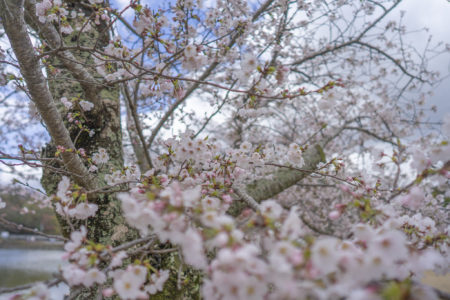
x,y
20,266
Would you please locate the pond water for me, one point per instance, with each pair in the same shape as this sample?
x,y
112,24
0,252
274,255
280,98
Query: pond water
x,y
20,266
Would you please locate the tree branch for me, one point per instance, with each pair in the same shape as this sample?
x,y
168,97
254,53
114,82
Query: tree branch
x,y
48,283
266,188
371,134
240,191
348,43
52,37
30,230
395,61
139,149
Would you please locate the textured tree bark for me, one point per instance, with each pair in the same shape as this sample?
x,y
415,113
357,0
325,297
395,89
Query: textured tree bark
x,y
281,180
265,188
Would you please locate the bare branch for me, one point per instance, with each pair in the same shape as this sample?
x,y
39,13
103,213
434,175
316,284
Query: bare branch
x,y
240,191
137,125
49,283
30,230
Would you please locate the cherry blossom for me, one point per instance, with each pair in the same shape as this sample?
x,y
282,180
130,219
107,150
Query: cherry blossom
x,y
94,276
414,200
128,283
77,238
66,102
38,292
100,157
83,210
86,105
157,282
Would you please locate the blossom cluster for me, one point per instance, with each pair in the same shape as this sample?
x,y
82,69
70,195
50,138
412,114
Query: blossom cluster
x,y
84,269
50,10
71,202
272,247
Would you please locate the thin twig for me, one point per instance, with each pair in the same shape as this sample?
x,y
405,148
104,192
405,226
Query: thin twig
x,y
31,230
48,283
137,125
240,191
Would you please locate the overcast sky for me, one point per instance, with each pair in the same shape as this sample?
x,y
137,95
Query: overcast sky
x,y
435,15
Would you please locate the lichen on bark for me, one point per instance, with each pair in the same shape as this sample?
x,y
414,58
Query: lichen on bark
x,y
105,123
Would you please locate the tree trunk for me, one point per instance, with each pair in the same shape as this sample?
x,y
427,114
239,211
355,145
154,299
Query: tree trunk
x,y
107,226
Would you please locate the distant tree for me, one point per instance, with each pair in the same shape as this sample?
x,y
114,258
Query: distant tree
x,y
313,173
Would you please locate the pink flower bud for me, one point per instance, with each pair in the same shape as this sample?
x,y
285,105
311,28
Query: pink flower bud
x,y
227,199
334,215
108,292
344,188
296,258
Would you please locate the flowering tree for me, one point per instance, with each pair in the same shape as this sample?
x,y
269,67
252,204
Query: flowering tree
x,y
312,173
